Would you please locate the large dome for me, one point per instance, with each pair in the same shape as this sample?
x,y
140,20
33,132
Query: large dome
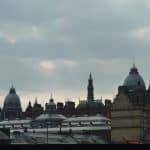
x,y
12,100
134,79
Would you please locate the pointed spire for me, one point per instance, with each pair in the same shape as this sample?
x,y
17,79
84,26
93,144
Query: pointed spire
x,y
51,96
29,103
134,69
36,100
90,76
51,99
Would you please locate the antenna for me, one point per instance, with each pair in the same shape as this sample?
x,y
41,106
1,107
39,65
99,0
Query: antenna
x,y
51,95
133,61
12,84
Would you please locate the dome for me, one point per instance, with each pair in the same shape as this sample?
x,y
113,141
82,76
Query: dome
x,y
134,79
12,100
51,102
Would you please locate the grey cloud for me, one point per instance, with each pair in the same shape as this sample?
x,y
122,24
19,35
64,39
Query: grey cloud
x,y
95,34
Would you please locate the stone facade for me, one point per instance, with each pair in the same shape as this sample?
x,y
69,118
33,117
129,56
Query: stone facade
x,y
130,111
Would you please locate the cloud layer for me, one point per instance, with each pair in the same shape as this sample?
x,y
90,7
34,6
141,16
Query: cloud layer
x,y
53,45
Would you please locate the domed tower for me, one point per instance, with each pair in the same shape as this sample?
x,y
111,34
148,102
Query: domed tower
x,y
134,79
134,87
12,106
129,111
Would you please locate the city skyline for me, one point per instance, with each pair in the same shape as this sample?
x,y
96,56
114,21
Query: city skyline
x,y
51,47
42,101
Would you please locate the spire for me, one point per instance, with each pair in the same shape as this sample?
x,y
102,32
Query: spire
x,y
51,99
51,95
134,69
29,103
12,90
90,76
36,100
134,62
90,96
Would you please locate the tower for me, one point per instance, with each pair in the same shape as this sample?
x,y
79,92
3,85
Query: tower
x,y
130,111
12,105
90,96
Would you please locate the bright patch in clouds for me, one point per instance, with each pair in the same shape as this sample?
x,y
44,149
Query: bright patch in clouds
x,y
55,64
47,65
140,33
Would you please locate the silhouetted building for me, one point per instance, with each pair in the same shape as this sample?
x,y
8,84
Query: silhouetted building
x,y
51,107
60,108
69,108
37,109
90,106
12,106
29,111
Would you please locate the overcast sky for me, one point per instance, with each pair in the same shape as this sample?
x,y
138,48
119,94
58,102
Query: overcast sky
x,y
52,46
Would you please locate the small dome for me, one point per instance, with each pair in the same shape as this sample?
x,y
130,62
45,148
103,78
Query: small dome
x,y
12,100
134,79
51,101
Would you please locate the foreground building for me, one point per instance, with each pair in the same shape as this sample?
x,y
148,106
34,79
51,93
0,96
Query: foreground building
x,y
130,111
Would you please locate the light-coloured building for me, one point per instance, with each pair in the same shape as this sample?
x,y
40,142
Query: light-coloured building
x,y
130,111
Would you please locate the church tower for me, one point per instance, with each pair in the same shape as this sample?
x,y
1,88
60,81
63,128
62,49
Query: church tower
x,y
90,96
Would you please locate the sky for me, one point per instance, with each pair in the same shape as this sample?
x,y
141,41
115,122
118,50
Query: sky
x,y
51,46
